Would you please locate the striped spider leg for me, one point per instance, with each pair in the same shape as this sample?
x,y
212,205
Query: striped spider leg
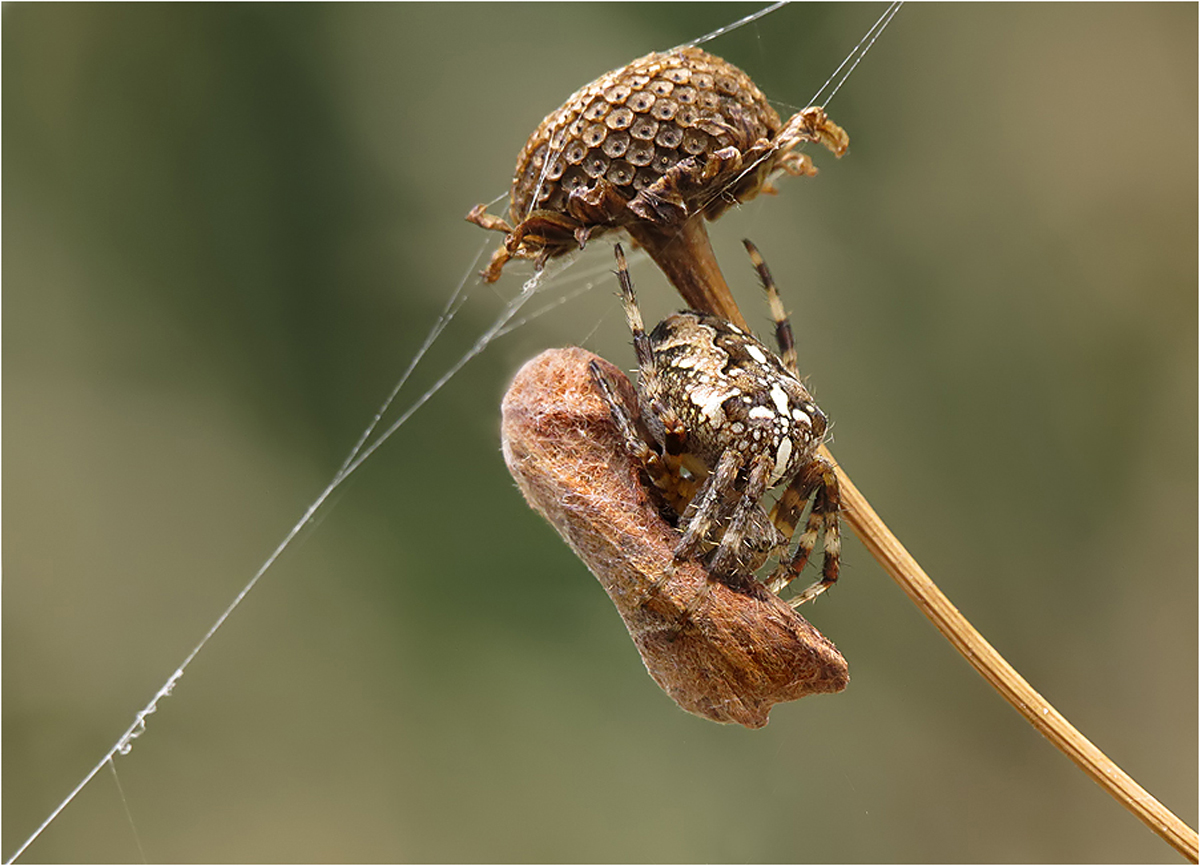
x,y
818,476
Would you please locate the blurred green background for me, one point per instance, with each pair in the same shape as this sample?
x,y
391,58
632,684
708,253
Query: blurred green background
x,y
227,229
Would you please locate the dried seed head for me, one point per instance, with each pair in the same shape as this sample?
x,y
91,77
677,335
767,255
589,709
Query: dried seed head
x,y
740,652
669,136
633,120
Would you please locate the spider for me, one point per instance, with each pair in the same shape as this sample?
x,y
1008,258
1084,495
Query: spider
x,y
715,402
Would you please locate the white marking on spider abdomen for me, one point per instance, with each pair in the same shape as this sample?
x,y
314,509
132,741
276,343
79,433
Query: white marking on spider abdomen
x,y
709,400
779,396
782,456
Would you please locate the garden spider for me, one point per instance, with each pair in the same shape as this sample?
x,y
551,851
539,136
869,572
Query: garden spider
x,y
715,402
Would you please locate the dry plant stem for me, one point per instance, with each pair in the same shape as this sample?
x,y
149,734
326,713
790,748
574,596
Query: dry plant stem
x,y
898,563
685,255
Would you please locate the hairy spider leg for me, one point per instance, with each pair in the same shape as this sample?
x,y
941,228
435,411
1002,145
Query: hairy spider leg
x,y
783,327
726,559
633,315
700,518
662,469
635,444
666,473
731,541
827,501
821,478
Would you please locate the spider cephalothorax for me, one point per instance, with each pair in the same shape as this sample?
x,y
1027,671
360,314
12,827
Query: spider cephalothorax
x,y
718,403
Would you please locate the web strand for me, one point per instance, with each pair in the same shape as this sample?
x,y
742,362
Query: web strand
x,y
857,53
854,57
356,458
729,28
514,306
128,814
457,299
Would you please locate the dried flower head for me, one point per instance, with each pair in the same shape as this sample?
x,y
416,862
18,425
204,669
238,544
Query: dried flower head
x,y
671,136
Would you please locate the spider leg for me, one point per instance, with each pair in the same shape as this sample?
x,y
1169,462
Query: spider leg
x,y
641,343
635,444
663,469
827,502
786,517
822,518
727,559
783,327
701,517
674,433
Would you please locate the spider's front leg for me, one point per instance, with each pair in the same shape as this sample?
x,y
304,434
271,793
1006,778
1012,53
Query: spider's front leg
x,y
818,479
662,468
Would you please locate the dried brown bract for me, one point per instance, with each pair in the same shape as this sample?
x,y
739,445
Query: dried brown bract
x,y
731,659
670,137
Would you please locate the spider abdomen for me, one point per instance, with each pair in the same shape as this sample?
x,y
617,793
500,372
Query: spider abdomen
x,y
730,391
